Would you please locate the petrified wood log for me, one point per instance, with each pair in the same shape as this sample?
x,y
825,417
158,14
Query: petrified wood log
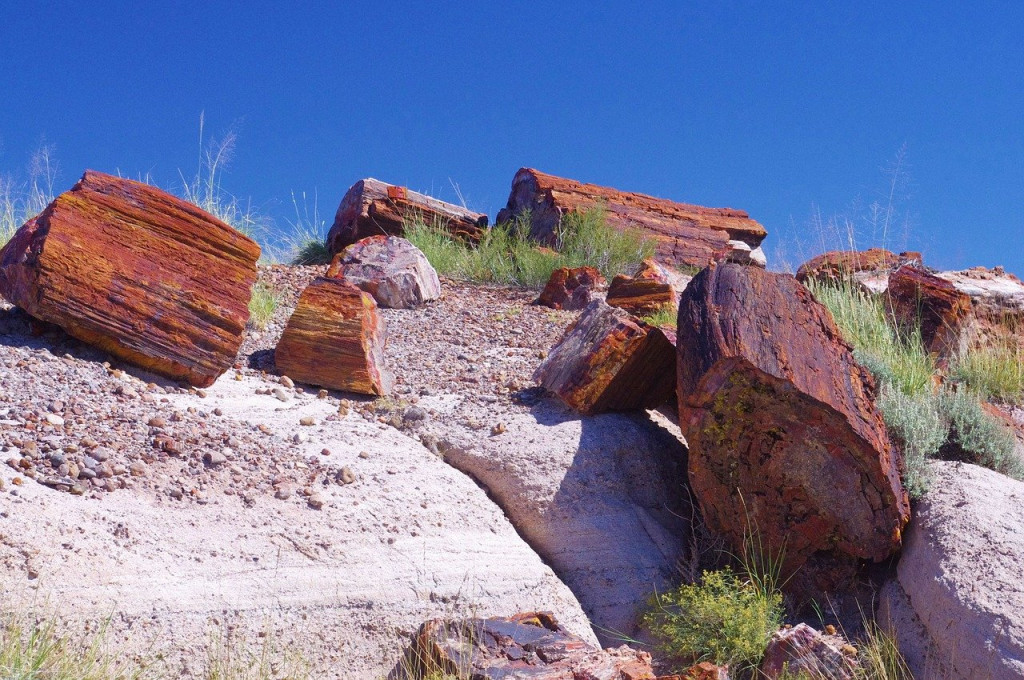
x,y
131,269
371,208
836,265
391,269
335,339
609,361
784,435
918,298
570,289
645,292
528,645
686,235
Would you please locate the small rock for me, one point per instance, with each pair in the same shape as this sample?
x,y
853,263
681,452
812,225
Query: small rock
x,y
54,419
498,429
414,414
364,455
300,438
214,458
346,476
287,382
157,421
281,394
315,501
307,421
218,411
322,394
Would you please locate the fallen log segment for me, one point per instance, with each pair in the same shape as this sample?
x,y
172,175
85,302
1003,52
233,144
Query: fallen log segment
x,y
143,275
647,291
919,299
570,289
685,235
609,361
373,208
335,339
784,435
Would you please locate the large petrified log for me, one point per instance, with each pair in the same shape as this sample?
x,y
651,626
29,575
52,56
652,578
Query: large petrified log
x,y
917,298
784,436
391,269
997,300
607,360
839,265
528,645
647,291
570,289
371,208
335,339
686,235
143,275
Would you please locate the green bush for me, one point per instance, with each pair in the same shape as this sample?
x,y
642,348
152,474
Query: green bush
x,y
666,315
725,619
916,424
977,437
262,305
994,372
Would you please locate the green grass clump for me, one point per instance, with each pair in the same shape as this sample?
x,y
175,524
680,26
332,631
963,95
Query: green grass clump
x,y
917,425
994,372
507,255
977,437
666,315
262,305
306,242
21,202
725,618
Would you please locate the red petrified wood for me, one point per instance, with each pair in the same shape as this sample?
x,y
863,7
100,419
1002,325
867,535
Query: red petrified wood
x,y
138,273
609,361
645,292
371,208
686,235
918,298
570,289
836,265
335,339
784,436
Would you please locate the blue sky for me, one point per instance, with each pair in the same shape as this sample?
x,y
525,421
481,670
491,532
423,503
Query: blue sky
x,y
774,108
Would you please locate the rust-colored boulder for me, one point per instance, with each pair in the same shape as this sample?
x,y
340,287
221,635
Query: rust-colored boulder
x,y
141,274
685,235
530,646
837,265
781,421
372,208
570,289
802,651
647,291
997,301
335,339
391,269
607,360
919,298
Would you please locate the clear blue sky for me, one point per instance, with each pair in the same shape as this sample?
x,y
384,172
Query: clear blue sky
x,y
769,107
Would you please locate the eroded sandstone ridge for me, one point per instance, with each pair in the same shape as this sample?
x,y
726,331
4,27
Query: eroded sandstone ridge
x,y
685,234
141,274
783,432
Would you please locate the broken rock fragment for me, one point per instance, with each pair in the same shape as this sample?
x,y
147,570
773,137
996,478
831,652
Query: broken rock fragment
x,y
571,288
607,360
391,269
919,299
141,274
784,436
335,339
647,291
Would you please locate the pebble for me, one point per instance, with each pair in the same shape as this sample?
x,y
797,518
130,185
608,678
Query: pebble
x,y
215,458
54,419
300,438
287,382
283,493
281,394
307,421
157,421
414,414
315,501
346,476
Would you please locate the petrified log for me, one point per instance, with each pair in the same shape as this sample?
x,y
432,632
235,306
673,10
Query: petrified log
x,y
335,339
997,301
528,645
918,298
686,235
570,289
371,208
609,361
784,435
647,291
143,275
837,265
391,269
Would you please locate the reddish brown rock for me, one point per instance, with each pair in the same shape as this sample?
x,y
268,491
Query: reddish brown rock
x,y
528,646
804,650
609,361
373,208
647,291
391,269
702,671
143,275
781,421
571,289
335,339
686,235
917,298
836,265
997,302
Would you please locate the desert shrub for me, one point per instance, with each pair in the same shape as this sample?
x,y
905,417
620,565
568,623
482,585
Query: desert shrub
x,y
505,253
726,618
977,437
916,423
262,305
994,372
305,241
666,315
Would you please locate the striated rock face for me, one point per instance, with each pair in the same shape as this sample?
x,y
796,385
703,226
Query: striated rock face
x,y
836,265
781,421
647,291
528,645
997,302
391,269
335,339
373,208
609,361
686,235
802,649
138,273
918,298
571,289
